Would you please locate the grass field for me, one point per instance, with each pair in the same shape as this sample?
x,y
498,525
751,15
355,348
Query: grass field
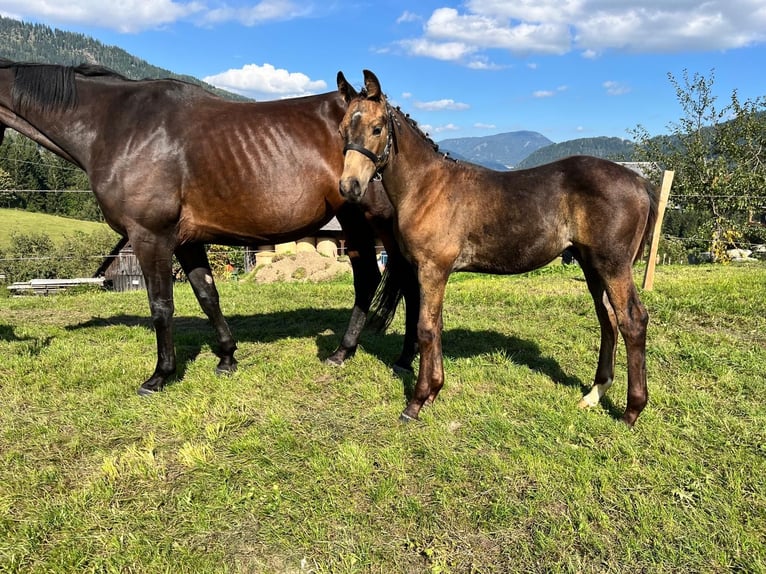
x,y
291,466
25,222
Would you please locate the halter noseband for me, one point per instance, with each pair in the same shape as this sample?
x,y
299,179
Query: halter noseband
x,y
380,161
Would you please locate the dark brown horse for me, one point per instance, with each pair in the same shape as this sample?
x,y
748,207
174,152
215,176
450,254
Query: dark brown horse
x,y
174,167
457,216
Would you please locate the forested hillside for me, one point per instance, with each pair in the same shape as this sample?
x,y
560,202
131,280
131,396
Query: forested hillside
x,y
616,149
24,42
28,173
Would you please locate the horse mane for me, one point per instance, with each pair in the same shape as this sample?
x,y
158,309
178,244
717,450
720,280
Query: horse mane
x,y
414,125
50,86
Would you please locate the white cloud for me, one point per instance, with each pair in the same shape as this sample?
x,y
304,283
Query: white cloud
x,y
264,11
589,26
131,16
482,126
429,130
124,16
266,82
615,88
438,50
408,16
549,93
446,128
438,105
483,31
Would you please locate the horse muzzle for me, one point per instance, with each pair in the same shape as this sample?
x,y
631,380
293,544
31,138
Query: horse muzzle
x,y
352,189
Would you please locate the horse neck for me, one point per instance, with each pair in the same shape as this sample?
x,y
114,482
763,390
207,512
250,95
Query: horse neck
x,y
62,131
412,159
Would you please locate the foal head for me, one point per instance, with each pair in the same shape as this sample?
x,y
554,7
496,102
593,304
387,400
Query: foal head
x,y
368,134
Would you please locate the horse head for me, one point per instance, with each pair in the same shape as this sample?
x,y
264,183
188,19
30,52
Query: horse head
x,y
367,130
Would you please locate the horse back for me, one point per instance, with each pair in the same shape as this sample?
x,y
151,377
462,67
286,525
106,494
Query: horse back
x,y
512,222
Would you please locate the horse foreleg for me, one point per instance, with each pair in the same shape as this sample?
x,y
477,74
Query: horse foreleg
x,y
360,244
411,294
607,351
431,372
632,319
195,264
155,260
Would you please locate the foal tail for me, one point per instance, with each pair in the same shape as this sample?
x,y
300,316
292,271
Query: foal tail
x,y
398,281
652,192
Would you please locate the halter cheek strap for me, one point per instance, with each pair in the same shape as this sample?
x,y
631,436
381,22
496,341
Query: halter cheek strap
x,y
380,161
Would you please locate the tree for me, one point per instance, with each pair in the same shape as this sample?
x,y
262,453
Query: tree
x,y
719,158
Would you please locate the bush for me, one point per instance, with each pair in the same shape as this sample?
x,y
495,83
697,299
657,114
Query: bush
x,y
35,256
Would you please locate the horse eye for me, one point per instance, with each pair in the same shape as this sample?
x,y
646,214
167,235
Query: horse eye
x,y
376,131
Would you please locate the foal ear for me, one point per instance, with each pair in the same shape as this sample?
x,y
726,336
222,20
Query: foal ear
x,y
346,90
372,86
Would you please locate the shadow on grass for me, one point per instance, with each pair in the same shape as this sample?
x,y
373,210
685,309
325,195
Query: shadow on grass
x,y
192,334
30,346
8,334
465,343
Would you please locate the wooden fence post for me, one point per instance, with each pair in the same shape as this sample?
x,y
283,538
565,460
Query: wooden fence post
x,y
667,181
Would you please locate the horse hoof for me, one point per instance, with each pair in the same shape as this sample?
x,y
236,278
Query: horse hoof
x,y
228,370
405,418
400,371
333,362
144,392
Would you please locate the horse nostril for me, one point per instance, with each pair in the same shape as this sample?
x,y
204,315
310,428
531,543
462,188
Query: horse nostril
x,y
350,188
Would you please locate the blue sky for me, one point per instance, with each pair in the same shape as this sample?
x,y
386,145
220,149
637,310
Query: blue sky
x,y
565,68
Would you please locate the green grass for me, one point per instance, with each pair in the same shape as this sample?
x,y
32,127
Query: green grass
x,y
293,466
13,221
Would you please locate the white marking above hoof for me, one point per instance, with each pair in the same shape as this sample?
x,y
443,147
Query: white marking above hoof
x,y
595,394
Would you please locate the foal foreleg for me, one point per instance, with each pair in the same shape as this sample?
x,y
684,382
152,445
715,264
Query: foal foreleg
x,y
195,264
431,372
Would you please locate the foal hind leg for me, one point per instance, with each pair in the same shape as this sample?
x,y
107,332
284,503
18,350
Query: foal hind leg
x,y
360,243
608,347
195,264
632,320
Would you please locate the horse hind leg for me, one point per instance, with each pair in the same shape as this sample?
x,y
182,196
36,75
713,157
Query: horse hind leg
x,y
608,346
195,264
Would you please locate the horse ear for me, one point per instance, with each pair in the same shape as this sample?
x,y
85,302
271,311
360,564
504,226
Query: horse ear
x,y
372,86
346,90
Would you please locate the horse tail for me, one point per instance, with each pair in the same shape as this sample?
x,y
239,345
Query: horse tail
x,y
397,277
651,220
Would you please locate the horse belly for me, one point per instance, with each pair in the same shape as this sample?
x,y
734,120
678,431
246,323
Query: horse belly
x,y
505,255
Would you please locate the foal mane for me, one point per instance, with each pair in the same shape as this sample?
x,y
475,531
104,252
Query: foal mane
x,y
414,125
49,86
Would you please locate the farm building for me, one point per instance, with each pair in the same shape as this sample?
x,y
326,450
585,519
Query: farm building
x,y
121,271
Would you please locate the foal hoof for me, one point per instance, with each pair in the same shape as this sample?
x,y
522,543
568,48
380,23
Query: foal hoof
x,y
584,404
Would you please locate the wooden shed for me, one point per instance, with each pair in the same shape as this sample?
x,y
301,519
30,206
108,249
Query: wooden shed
x,y
120,269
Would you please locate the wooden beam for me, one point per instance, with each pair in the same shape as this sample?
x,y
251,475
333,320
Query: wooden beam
x,y
667,181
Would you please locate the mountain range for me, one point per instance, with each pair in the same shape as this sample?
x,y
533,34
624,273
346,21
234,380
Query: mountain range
x,y
27,42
